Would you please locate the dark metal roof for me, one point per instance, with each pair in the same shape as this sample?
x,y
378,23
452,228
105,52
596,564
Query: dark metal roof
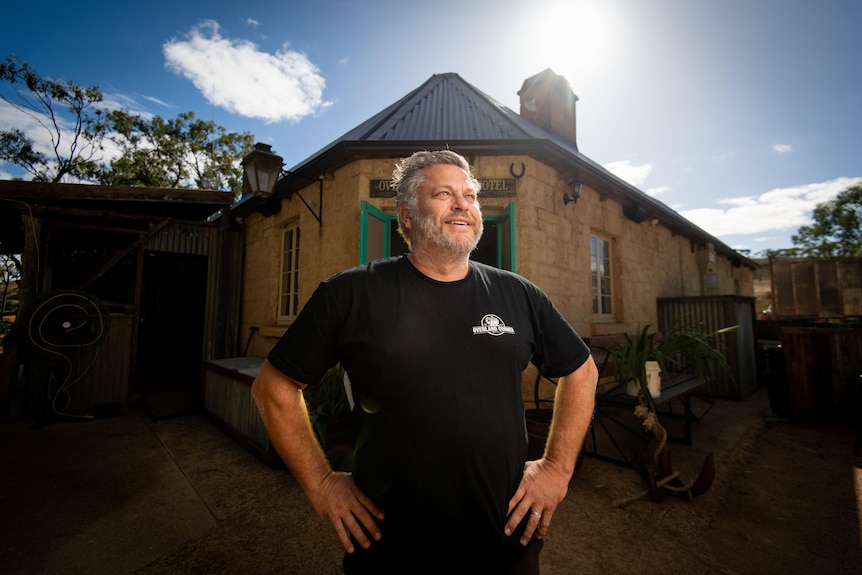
x,y
445,108
109,203
446,111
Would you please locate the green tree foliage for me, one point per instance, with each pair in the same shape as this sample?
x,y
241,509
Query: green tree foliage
x,y
182,152
69,114
837,228
10,274
185,152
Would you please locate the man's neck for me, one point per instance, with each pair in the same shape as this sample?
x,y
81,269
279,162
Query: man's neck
x,y
446,267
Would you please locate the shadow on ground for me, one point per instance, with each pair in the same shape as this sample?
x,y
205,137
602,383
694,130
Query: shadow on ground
x,y
135,494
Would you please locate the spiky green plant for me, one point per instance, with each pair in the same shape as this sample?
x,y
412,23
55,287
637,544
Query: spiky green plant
x,y
678,349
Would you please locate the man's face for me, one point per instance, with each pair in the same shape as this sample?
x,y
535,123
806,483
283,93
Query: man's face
x,y
449,215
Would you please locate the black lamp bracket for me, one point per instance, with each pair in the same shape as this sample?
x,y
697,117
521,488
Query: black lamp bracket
x,y
319,215
574,189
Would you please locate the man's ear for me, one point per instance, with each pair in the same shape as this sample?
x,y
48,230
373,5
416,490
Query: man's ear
x,y
405,216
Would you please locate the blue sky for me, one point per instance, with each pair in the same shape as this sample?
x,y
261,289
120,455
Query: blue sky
x,y
742,115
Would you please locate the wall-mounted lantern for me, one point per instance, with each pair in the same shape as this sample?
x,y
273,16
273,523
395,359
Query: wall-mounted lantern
x,y
574,189
261,168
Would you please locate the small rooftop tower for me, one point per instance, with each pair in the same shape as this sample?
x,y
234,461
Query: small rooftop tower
x,y
547,100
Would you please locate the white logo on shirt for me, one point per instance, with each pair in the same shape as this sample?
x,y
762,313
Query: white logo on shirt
x,y
493,325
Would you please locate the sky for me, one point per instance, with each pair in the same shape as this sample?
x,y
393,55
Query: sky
x,y
741,115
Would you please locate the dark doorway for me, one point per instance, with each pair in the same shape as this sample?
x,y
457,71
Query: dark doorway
x,y
487,250
170,339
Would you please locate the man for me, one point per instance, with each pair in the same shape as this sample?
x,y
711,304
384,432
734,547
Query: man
x,y
434,345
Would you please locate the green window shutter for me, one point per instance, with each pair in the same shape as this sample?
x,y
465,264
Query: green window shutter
x,y
375,236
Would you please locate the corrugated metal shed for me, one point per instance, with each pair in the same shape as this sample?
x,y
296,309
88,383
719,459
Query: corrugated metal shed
x,y
116,226
823,367
708,314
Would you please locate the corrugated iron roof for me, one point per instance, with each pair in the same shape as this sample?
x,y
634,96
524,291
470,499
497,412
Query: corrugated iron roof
x,y
445,108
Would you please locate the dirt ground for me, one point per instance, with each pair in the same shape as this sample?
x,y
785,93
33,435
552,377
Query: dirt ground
x,y
809,524
132,494
787,498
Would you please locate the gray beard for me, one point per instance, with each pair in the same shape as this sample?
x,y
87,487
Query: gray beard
x,y
429,234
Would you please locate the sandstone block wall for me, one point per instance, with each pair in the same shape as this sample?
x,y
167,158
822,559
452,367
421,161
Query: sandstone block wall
x,y
552,248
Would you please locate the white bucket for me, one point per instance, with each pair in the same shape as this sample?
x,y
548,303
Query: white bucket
x,y
653,377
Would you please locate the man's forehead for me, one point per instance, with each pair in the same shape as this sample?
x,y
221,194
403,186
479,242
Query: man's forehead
x,y
446,174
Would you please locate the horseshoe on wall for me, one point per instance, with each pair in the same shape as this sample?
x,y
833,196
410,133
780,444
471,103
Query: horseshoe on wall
x,y
512,170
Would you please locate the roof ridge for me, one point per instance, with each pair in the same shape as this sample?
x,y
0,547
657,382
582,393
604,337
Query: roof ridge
x,y
479,116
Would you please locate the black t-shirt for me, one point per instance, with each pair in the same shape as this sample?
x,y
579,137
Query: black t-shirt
x,y
435,369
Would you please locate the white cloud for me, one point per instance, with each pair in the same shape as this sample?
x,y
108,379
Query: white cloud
x,y
765,239
782,148
635,175
116,101
237,76
34,126
155,100
654,192
780,209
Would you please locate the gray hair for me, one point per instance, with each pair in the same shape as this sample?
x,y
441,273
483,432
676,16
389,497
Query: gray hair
x,y
409,176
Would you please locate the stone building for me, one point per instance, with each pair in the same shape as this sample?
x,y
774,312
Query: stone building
x,y
604,251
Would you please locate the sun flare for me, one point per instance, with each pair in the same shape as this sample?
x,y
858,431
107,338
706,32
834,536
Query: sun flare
x,y
584,37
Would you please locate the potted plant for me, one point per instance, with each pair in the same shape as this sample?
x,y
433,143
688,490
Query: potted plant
x,y
682,349
636,359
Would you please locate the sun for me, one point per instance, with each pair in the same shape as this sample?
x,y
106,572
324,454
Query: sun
x,y
582,37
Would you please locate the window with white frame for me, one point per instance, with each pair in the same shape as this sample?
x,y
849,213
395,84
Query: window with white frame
x,y
288,300
710,284
600,277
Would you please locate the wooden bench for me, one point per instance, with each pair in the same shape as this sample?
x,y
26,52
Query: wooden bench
x,y
614,420
674,387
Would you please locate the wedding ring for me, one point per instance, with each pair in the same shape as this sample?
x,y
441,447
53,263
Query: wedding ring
x,y
537,514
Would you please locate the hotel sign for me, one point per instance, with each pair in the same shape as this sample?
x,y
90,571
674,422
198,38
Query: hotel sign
x,y
491,188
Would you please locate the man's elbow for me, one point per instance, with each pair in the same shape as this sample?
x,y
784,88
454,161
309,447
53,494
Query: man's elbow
x,y
588,373
262,386
594,371
271,383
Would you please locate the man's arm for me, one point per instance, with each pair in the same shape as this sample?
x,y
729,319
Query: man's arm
x,y
574,403
333,495
546,481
